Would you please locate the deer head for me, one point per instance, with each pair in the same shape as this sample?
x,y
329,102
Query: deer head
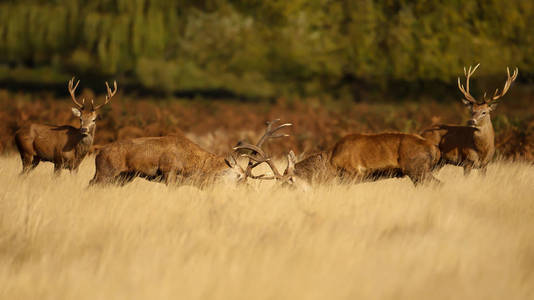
x,y
235,173
480,110
257,155
287,179
88,115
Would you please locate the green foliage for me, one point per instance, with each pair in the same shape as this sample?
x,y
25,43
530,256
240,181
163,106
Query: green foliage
x,y
265,48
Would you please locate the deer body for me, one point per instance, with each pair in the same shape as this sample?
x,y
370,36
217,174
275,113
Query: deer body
x,y
315,168
467,146
363,156
65,146
167,159
357,157
473,145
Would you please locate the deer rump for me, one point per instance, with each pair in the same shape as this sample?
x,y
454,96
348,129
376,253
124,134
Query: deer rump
x,y
153,158
385,155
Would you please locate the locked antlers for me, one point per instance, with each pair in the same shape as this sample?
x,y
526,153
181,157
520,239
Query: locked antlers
x,y
257,155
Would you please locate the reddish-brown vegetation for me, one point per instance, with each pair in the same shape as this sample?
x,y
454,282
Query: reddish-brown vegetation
x,y
218,125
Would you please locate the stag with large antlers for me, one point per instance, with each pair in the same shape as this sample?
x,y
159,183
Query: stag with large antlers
x,y
471,146
65,146
170,159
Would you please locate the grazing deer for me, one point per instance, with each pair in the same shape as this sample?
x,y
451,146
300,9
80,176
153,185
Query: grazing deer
x,y
168,159
357,157
65,146
471,146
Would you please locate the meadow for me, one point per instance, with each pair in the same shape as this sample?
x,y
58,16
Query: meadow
x,y
215,71
471,238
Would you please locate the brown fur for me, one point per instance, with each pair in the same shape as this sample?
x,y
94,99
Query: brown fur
x,y
315,168
466,146
168,159
64,146
370,156
361,156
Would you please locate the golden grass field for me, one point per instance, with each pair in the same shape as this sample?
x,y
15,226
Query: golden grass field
x,y
471,238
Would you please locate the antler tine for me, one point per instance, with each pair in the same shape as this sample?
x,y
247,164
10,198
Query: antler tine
x,y
261,157
507,85
109,95
469,75
72,91
465,90
260,160
269,132
254,148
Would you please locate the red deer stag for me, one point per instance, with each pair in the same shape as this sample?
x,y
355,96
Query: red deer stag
x,y
357,157
470,146
167,159
65,146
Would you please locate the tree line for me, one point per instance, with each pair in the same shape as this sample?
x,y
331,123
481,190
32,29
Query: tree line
x,y
257,48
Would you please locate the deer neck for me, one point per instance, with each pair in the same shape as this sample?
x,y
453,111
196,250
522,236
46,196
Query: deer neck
x,y
484,136
87,141
214,163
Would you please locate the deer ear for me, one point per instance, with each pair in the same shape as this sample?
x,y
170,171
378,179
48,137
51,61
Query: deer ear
x,y
76,112
467,103
493,105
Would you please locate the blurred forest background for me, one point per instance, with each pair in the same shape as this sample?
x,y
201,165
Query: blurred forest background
x,y
264,49
330,67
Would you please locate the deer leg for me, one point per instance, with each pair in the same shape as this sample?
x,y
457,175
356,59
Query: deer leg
x,y
416,180
429,178
35,162
125,178
57,169
75,167
29,163
483,170
170,177
467,168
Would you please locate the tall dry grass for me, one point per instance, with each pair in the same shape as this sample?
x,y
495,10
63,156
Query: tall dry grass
x,y
472,238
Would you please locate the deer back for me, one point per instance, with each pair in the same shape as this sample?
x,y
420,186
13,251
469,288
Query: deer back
x,y
366,151
149,154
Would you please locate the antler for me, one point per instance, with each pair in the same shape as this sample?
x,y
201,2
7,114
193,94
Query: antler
x,y
72,91
507,84
465,91
259,157
269,133
254,160
109,95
